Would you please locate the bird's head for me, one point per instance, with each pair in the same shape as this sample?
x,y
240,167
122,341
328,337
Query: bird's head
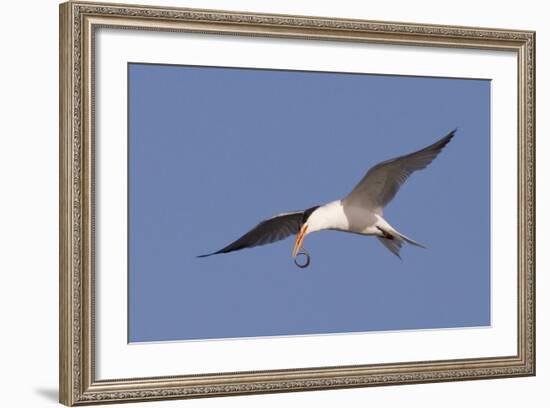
x,y
304,230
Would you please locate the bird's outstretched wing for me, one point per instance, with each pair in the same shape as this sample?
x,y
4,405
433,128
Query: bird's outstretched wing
x,y
271,230
382,182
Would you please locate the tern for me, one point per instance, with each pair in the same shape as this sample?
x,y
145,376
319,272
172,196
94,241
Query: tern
x,y
360,212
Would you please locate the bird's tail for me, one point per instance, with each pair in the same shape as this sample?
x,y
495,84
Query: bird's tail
x,y
408,240
393,240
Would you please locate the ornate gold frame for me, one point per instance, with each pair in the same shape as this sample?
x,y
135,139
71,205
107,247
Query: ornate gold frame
x,y
78,21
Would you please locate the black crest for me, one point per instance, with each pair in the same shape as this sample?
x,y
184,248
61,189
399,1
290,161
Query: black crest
x,y
308,212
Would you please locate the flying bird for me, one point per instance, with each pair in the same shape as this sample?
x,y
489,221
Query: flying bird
x,y
360,212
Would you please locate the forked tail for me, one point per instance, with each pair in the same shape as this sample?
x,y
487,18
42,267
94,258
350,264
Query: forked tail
x,y
409,241
393,240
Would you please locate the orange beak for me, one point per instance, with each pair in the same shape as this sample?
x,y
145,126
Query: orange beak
x,y
299,239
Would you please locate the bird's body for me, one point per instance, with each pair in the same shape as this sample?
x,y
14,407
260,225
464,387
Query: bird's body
x,y
360,212
338,216
341,216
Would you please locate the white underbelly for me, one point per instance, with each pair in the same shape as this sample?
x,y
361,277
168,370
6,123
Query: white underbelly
x,y
362,221
336,216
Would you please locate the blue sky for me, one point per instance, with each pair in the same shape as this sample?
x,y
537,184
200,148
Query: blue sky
x,y
213,151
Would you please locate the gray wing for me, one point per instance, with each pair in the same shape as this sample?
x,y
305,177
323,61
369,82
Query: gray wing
x,y
382,182
266,232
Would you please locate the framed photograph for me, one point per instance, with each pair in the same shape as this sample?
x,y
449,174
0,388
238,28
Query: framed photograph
x,y
256,203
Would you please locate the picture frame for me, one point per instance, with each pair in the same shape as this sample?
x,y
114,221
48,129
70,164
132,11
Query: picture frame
x,y
80,23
